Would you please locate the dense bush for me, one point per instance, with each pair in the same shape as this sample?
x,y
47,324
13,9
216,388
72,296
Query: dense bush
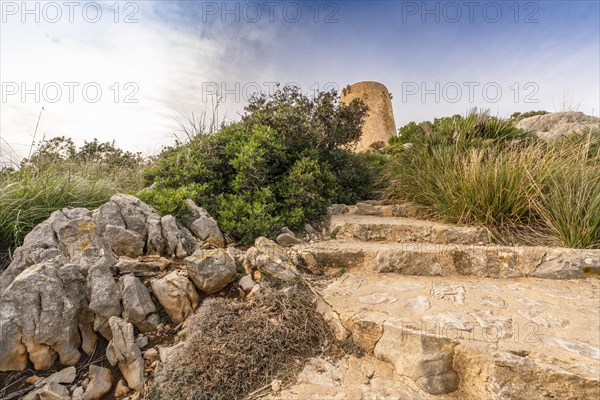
x,y
286,160
482,170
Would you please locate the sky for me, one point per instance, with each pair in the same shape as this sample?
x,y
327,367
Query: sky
x,y
128,71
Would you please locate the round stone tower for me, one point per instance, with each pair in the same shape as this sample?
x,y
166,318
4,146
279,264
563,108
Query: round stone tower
x,y
379,124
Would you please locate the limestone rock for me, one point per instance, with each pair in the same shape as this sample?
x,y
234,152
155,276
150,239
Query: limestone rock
x,y
177,295
65,375
138,307
287,240
77,393
246,283
39,318
270,258
105,298
210,270
379,124
54,391
100,383
125,242
141,266
121,389
424,358
123,351
203,226
554,125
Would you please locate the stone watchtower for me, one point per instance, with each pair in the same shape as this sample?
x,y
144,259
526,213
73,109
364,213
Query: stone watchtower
x,y
379,124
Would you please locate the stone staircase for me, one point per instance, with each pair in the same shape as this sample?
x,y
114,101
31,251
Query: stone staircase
x,y
455,315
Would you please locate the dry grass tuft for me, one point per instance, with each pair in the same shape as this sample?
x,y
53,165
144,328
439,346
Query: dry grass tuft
x,y
235,347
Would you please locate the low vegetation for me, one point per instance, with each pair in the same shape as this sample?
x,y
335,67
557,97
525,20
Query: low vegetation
x,y
282,165
60,175
235,348
479,169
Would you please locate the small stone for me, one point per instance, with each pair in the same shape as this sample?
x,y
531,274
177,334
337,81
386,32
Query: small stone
x,y
287,240
77,393
54,391
151,355
100,383
257,276
141,341
33,379
255,290
121,389
66,375
246,283
276,386
309,229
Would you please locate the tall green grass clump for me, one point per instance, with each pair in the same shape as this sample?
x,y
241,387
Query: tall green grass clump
x,y
479,169
56,176
282,165
568,197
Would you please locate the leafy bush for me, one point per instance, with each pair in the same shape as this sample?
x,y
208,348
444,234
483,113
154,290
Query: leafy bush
x,y
286,160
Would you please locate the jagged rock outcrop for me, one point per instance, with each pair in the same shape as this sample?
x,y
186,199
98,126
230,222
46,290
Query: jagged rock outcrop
x,y
554,125
59,291
379,124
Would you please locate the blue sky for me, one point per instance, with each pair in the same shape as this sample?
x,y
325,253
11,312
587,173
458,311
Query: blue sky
x,y
154,61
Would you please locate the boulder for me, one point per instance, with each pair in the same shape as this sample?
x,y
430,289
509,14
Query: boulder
x,y
210,270
177,296
138,307
39,317
270,258
555,125
123,351
100,383
203,226
379,124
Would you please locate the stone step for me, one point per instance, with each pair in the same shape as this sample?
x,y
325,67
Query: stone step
x,y
352,378
399,229
428,259
482,338
375,208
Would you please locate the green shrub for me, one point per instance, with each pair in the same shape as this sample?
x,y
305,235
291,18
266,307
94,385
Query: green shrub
x,y
282,165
